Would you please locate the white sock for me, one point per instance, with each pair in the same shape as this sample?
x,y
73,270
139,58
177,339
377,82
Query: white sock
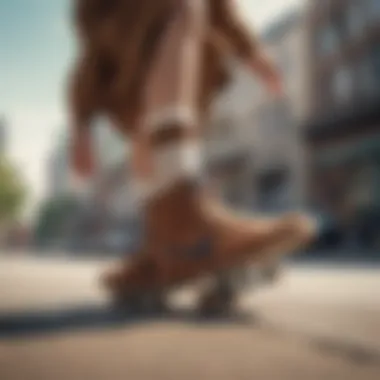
x,y
174,162
80,186
140,193
176,114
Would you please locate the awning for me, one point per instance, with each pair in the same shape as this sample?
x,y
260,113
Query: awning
x,y
223,158
363,115
353,151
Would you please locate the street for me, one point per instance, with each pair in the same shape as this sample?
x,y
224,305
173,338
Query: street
x,y
316,322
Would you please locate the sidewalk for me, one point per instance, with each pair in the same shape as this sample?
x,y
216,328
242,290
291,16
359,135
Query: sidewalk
x,y
285,339
332,304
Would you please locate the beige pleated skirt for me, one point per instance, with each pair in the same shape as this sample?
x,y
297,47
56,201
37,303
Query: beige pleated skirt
x,y
173,84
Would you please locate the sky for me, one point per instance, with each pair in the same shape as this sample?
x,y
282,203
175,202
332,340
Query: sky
x,y
36,50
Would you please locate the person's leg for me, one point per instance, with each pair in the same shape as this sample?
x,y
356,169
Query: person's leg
x,y
187,235
167,165
141,160
168,125
171,125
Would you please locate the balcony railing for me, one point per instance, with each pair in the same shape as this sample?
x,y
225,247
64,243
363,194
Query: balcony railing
x,y
362,117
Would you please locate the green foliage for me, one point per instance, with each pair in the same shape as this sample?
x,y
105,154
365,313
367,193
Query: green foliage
x,y
12,192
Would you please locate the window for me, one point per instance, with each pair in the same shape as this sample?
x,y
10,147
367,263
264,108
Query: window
x,y
327,41
342,85
282,115
263,118
273,188
355,18
376,63
373,9
285,60
365,77
110,147
340,25
362,187
223,129
323,4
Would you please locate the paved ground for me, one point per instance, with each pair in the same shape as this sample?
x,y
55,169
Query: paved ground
x,y
317,322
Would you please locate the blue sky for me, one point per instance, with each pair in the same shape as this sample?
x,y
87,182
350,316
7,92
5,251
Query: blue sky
x,y
36,49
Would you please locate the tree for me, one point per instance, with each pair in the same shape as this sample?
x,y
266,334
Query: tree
x,y
12,192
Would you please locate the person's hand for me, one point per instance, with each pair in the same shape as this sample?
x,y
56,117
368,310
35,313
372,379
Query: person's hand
x,y
81,155
80,186
269,74
274,84
81,163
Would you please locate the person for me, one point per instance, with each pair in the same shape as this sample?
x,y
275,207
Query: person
x,y
154,67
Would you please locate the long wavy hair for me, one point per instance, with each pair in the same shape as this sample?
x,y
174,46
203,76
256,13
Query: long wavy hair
x,y
112,60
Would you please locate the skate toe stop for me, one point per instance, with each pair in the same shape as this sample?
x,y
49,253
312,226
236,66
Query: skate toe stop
x,y
305,226
109,280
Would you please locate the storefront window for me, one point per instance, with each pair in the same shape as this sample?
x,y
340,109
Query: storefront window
x,y
285,61
342,85
355,18
322,4
110,147
328,41
376,65
341,25
365,77
361,190
274,190
373,8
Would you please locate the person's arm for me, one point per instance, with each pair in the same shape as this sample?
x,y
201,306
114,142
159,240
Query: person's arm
x,y
243,43
81,154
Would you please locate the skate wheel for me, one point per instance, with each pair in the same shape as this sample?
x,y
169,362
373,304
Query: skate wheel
x,y
140,303
215,304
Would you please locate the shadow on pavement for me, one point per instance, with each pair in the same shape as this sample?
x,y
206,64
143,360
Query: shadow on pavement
x,y
22,325
39,323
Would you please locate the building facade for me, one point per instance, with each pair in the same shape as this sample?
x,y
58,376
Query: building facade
x,y
273,124
262,135
58,173
110,213
106,207
228,156
343,127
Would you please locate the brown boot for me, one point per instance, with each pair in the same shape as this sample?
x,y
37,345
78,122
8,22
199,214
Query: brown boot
x,y
188,236
171,221
134,285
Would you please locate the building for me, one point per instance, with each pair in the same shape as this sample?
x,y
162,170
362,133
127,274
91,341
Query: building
x,y
58,171
280,157
228,156
343,125
102,207
108,213
113,179
255,138
261,134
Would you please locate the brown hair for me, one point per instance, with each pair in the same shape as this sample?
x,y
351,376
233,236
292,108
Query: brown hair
x,y
117,40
